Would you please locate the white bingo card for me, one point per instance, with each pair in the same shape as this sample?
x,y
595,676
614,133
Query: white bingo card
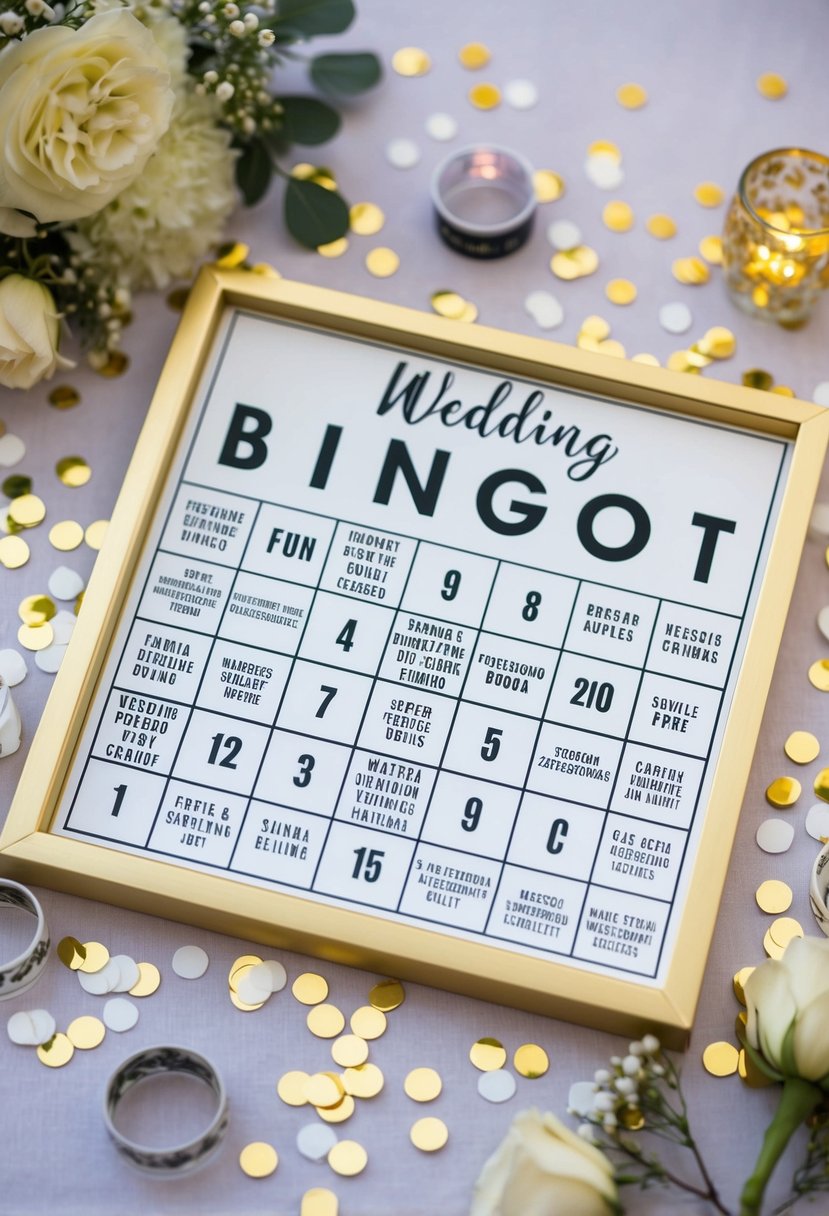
x,y
427,640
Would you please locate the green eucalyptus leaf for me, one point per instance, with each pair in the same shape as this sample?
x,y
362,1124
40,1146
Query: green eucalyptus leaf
x,y
313,215
253,171
346,73
312,17
306,120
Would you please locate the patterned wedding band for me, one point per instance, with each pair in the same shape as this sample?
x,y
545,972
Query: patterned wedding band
x,y
161,1061
819,889
19,974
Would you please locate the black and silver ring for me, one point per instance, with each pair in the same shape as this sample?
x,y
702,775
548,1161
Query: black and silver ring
x,y
20,973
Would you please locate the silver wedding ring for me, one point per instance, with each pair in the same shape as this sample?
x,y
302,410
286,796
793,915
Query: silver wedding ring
x,y
18,975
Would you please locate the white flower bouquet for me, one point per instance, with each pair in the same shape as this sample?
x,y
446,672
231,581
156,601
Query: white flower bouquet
x,y
127,131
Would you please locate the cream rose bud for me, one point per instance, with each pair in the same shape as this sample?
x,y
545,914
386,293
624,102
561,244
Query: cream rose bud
x,y
81,112
29,331
541,1168
788,1010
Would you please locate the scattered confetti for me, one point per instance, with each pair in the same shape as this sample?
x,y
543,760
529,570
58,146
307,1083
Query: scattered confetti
x,y
441,127
35,637
474,55
710,248
334,249
423,1084
563,234
382,262
521,94
581,1097
71,952
496,1086
785,929
620,291
774,896
325,1021
190,962
13,667
818,672
821,784
544,309
65,535
149,978
387,995
86,1033
488,1054
291,1087
429,1134
548,185
755,377
783,791
718,343
111,365
65,584
364,1082
64,397
28,511
720,1059
258,1160
366,219
368,1023
448,304
604,171
411,61
30,1028
691,270
617,216
349,1050
631,96
817,822
574,263
485,96
119,1014
73,471
708,194
315,1141
56,1052
772,86
739,983
50,659
820,396
402,153
661,226
12,450
531,1061
348,1158
319,1201
802,747
675,317
309,988
94,534
775,835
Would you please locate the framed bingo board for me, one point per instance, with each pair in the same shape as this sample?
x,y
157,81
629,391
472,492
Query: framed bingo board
x,y
428,648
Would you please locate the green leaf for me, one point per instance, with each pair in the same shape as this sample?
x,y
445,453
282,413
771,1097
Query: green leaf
x,y
253,171
305,120
314,215
317,16
346,73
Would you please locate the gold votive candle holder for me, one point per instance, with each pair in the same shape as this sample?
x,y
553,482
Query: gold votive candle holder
x,y
776,235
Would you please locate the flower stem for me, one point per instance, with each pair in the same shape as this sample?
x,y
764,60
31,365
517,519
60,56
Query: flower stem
x,y
798,1099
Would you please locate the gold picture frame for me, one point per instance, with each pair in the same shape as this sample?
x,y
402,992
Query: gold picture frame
x,y
675,434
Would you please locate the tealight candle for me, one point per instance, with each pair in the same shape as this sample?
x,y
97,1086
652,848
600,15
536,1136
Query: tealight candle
x,y
484,201
776,236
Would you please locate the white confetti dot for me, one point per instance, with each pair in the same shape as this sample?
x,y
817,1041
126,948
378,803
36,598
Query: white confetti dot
x,y
521,94
50,658
441,127
775,835
823,621
316,1140
31,1027
545,309
820,396
402,153
190,962
128,973
99,983
250,992
12,450
496,1086
817,821
270,975
120,1014
13,667
675,318
604,171
63,626
65,583
581,1096
564,234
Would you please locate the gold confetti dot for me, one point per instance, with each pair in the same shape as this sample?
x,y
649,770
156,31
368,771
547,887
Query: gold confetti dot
x,y
309,988
177,298
750,1074
718,343
382,262
71,952
334,249
620,291
773,896
708,194
17,485
387,995
348,1158
611,347
802,747
818,672
680,361
78,602
574,263
411,61
785,929
429,1134
349,1050
36,609
240,967
149,977
660,226
547,185
65,535
111,365
28,510
821,785
243,1006
324,1089
231,255
617,216
366,219
469,314
95,533
340,1112
422,1084
605,147
755,377
64,397
771,947
631,96
258,1160
711,249
57,1052
325,1021
646,359
291,1087
364,1082
783,390
595,327
319,1201
783,791
739,983
720,1059
73,471
690,270
86,1032
531,1061
448,304
474,55
96,958
772,86
632,1119
488,1054
484,96
265,270
35,637
368,1023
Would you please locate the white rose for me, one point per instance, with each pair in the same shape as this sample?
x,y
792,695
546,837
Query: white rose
x,y
788,1010
541,1168
29,330
81,112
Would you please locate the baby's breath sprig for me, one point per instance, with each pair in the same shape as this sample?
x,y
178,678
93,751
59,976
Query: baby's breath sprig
x,y
641,1093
